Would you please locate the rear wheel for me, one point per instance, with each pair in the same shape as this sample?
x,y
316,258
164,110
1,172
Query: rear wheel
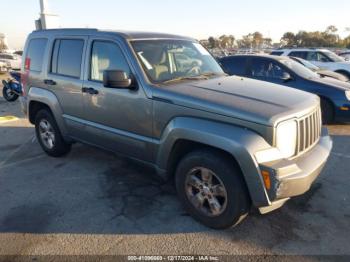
x,y
8,94
327,112
49,135
212,189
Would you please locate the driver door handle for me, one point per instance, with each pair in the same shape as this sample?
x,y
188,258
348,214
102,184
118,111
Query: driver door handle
x,y
49,82
89,90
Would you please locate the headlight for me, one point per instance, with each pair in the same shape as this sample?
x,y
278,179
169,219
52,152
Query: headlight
x,y
347,94
286,138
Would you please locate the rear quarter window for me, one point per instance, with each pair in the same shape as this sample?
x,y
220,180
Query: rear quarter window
x,y
35,54
300,54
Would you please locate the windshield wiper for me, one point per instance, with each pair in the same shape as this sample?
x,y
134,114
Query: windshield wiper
x,y
208,74
200,77
204,76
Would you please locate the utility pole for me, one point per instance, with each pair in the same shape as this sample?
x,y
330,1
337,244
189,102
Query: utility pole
x,y
47,20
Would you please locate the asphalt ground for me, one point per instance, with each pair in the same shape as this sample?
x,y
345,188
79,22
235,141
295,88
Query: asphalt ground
x,y
92,202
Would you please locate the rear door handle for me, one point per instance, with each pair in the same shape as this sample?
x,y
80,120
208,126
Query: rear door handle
x,y
49,82
89,90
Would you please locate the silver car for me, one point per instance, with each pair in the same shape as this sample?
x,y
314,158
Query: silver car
x,y
229,143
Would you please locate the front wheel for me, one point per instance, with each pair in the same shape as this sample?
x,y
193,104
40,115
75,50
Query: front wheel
x,y
212,189
8,94
49,135
345,74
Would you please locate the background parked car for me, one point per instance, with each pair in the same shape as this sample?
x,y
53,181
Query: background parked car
x,y
334,94
19,52
3,67
321,72
14,61
345,55
322,58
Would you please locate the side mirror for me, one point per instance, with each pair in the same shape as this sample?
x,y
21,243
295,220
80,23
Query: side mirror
x,y
286,77
116,79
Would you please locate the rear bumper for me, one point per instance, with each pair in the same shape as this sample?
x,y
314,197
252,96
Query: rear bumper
x,y
24,104
294,177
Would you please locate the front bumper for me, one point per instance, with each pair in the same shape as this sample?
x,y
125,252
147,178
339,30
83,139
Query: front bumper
x,y
294,177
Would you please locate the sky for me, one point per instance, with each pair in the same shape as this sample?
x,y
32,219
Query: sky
x,y
196,18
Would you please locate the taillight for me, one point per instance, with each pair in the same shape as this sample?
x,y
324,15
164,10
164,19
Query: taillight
x,y
27,64
23,82
24,75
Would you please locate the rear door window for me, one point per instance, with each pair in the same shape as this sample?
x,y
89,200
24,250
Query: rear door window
x,y
267,69
312,56
277,53
300,54
234,65
67,57
35,54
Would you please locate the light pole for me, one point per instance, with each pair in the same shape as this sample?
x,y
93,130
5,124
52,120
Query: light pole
x,y
47,20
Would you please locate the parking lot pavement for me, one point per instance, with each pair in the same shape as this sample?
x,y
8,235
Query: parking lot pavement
x,y
92,202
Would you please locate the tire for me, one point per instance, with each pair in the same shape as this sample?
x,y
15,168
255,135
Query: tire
x,y
46,130
344,73
8,94
327,112
237,204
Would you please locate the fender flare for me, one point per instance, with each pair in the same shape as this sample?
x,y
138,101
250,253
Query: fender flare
x,y
48,98
239,142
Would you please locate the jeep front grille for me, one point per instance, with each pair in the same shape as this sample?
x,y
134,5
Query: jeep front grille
x,y
309,131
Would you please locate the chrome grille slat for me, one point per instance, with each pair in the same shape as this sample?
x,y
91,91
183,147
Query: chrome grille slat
x,y
309,131
313,128
301,136
304,134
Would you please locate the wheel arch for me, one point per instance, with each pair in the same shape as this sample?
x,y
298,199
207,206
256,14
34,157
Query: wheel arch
x,y
238,144
343,72
38,99
324,98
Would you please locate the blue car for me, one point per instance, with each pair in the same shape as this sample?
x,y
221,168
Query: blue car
x,y
334,94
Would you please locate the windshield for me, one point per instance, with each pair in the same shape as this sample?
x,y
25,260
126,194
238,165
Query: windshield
x,y
333,57
175,60
309,65
299,69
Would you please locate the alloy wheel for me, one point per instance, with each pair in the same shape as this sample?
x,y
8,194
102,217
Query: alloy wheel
x,y
206,192
47,134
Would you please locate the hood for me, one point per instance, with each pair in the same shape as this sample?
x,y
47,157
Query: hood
x,y
242,98
332,83
332,74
